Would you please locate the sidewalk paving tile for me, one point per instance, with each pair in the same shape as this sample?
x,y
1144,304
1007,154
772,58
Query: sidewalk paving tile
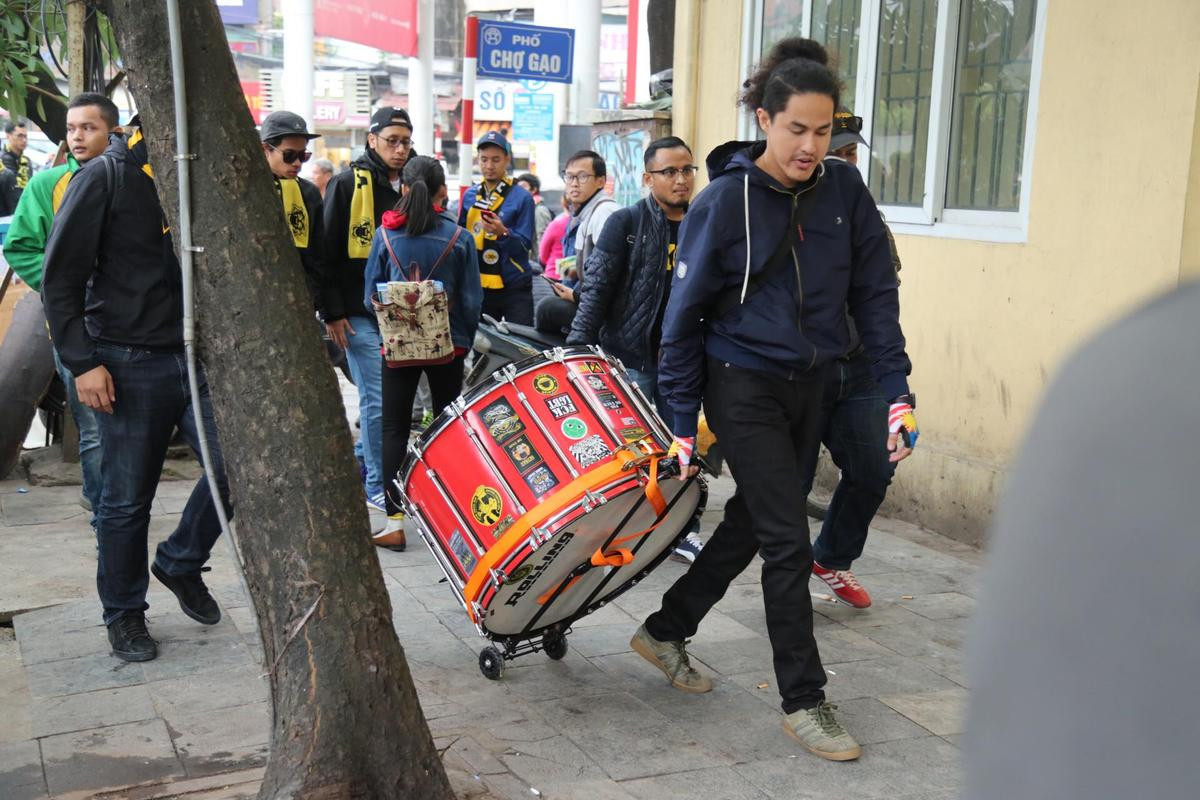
x,y
222,740
99,670
21,771
890,675
209,691
941,712
626,737
110,758
179,657
713,783
946,605
79,712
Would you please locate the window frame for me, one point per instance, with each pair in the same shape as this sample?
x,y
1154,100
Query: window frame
x,y
932,217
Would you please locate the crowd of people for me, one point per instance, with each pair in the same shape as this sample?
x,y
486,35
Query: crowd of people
x,y
770,300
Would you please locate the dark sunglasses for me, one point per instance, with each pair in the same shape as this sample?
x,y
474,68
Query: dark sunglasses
x,y
292,156
847,122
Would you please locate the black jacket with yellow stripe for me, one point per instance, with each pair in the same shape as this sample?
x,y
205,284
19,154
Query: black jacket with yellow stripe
x,y
342,292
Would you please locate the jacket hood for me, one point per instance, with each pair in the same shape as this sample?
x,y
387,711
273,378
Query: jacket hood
x,y
738,157
371,160
394,220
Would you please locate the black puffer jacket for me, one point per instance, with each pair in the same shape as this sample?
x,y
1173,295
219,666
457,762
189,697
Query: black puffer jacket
x,y
626,277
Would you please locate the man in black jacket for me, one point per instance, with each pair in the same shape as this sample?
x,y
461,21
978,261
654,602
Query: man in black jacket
x,y
355,200
629,274
285,139
112,291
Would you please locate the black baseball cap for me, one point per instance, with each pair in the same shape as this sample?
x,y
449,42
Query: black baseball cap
x,y
284,123
389,115
846,131
494,139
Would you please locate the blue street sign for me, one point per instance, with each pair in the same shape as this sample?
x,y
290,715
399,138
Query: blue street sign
x,y
533,117
514,51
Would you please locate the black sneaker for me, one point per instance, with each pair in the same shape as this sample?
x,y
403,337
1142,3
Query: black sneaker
x,y
130,640
192,594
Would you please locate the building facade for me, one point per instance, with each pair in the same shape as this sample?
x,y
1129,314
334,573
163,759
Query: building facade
x,y
1039,163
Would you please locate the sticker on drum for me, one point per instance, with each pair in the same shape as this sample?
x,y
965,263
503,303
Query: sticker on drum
x,y
595,383
592,366
487,505
458,546
501,421
631,435
609,400
590,451
545,383
574,428
541,480
522,454
561,405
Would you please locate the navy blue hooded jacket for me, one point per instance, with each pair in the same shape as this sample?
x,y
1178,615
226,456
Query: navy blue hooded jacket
x,y
796,321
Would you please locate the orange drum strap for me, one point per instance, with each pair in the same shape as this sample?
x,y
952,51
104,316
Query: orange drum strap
x,y
519,530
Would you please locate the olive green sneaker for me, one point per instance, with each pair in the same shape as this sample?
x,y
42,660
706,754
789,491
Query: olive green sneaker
x,y
819,732
672,659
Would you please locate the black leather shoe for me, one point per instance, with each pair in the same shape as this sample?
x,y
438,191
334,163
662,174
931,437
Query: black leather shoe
x,y
130,640
192,594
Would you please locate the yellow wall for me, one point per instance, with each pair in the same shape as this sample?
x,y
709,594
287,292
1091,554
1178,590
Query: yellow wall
x,y
1116,167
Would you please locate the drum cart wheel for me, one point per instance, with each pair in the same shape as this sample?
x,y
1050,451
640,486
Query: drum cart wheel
x,y
491,663
555,645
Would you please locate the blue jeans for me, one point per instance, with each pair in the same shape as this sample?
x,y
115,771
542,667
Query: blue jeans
x,y
366,368
152,400
854,430
89,438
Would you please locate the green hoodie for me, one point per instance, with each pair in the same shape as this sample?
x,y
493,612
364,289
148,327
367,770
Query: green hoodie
x,y
25,242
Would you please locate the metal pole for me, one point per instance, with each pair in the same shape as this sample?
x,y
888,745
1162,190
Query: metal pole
x,y
586,20
421,98
298,88
631,53
466,154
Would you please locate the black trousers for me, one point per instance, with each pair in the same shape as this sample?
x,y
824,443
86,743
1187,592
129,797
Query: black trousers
x,y
555,315
768,427
514,304
399,391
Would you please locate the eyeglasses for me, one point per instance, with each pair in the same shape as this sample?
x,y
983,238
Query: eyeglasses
x,y
580,178
847,122
395,142
292,156
671,173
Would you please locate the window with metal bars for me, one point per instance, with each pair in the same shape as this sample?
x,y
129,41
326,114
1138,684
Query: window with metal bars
x,y
948,105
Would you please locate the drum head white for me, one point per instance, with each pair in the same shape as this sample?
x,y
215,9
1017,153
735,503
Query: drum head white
x,y
528,602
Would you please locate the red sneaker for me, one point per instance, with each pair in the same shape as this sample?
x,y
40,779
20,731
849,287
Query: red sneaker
x,y
845,586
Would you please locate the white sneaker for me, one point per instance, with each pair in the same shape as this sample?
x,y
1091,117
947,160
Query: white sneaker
x,y
688,548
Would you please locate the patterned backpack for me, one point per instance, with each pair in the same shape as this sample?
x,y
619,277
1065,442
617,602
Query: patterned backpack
x,y
414,317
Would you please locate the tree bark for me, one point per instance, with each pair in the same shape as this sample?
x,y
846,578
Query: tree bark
x,y
346,720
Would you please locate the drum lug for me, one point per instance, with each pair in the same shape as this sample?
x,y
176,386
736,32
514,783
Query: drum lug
x,y
510,372
498,578
592,500
537,537
478,609
414,451
458,407
558,355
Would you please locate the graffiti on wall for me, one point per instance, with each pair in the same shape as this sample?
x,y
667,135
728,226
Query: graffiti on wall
x,y
622,153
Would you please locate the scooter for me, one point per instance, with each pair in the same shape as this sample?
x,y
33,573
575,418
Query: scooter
x,y
499,342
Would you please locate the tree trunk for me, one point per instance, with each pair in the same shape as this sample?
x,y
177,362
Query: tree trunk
x,y
347,722
26,370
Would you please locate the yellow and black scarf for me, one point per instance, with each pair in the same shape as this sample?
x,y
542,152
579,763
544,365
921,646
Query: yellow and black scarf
x,y
24,169
294,211
362,214
489,249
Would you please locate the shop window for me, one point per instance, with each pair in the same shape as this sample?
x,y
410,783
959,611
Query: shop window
x,y
948,107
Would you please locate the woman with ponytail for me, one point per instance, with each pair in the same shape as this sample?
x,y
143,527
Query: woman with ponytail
x,y
772,256
422,238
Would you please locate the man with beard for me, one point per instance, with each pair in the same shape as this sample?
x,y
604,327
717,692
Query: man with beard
x,y
355,200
